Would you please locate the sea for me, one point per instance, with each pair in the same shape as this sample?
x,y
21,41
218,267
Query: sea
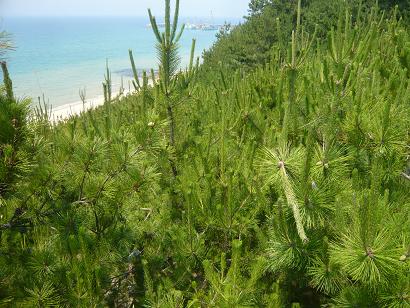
x,y
57,57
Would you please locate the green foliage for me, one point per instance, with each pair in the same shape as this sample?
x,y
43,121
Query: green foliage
x,y
14,160
5,43
107,85
228,287
284,185
270,23
170,83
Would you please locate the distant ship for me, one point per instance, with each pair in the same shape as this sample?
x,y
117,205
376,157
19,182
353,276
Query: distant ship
x,y
203,27
189,26
160,25
196,26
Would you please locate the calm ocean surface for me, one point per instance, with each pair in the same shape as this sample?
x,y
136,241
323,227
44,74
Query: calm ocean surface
x,y
59,56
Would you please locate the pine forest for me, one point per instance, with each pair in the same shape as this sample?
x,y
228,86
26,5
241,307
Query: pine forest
x,y
275,172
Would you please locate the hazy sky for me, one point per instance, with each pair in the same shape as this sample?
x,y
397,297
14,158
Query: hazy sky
x,y
204,8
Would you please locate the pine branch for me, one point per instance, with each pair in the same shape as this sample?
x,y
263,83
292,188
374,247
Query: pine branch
x,y
136,81
7,81
154,26
277,165
405,175
292,201
175,22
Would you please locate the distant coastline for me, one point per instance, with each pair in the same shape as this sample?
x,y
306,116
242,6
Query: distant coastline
x,y
56,57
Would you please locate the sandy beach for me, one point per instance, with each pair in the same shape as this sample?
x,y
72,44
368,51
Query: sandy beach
x,y
63,112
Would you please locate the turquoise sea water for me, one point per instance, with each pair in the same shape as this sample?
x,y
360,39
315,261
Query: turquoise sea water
x,y
59,56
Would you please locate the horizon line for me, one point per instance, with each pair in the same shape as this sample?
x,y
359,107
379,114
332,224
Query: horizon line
x,y
119,15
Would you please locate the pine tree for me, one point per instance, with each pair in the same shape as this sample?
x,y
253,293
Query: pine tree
x,y
167,53
291,188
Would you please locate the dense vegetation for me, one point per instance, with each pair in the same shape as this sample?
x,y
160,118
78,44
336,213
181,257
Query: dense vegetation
x,y
281,184
251,44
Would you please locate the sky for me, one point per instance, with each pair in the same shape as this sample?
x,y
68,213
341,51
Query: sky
x,y
189,8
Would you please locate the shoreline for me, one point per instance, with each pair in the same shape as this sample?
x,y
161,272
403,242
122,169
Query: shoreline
x,y
64,112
